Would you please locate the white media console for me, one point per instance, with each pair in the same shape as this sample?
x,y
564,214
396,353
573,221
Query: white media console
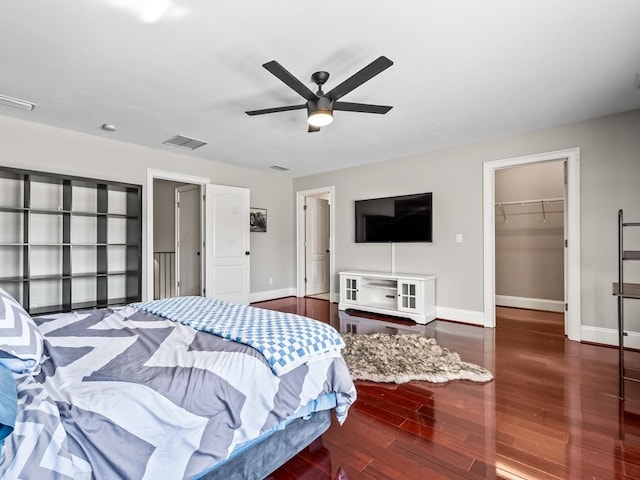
x,y
400,294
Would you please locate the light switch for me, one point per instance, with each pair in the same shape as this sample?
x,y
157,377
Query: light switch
x,y
458,238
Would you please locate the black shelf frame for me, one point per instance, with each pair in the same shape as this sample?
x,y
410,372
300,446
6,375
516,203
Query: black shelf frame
x,y
132,215
624,290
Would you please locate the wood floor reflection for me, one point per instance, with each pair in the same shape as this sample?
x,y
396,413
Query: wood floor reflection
x,y
552,411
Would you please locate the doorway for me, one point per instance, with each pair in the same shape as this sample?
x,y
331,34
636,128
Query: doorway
x,y
529,242
177,239
315,249
153,213
188,240
224,233
572,234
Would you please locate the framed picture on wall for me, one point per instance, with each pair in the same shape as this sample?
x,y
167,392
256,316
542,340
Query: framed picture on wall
x,y
258,219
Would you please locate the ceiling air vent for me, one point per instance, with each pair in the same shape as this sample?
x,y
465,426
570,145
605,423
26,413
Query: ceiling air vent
x,y
184,142
279,168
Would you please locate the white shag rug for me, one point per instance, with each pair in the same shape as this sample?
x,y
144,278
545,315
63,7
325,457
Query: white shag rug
x,y
401,358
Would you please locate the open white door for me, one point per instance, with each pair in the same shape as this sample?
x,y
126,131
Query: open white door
x,y
566,245
317,246
227,243
188,241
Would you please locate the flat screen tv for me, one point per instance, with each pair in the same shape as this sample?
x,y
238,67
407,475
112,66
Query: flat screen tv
x,y
407,218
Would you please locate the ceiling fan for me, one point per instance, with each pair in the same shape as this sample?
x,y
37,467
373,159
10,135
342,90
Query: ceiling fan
x,y
320,106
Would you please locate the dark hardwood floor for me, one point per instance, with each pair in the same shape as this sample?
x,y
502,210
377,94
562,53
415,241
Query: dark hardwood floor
x,y
552,411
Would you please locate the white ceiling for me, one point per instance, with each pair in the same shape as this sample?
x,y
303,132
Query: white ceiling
x,y
464,70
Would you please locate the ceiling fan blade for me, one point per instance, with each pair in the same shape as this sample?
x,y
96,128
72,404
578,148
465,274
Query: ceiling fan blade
x,y
276,109
284,75
367,73
313,129
361,107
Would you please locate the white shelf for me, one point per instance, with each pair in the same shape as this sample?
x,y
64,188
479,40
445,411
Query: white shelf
x,y
385,286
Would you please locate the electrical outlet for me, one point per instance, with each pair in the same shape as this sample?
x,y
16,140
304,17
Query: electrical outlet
x,y
458,238
270,280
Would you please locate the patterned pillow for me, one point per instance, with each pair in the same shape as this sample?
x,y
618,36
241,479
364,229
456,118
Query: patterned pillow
x,y
21,342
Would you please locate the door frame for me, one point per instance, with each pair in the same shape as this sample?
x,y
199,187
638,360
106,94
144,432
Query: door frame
x,y
301,237
572,228
314,227
147,260
176,236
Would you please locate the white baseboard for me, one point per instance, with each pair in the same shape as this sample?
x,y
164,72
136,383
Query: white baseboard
x,y
530,303
589,334
271,294
609,336
458,315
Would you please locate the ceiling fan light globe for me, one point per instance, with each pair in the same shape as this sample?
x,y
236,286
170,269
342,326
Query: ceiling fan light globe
x,y
320,118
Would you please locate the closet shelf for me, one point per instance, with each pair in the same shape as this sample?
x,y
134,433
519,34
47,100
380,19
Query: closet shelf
x,y
530,202
540,201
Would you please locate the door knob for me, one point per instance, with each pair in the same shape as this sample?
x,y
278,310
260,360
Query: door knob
x,y
247,253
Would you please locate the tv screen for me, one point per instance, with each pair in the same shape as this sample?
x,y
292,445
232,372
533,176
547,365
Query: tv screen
x,y
406,218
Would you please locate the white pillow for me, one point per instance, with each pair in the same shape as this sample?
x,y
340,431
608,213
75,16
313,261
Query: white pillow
x,y
21,343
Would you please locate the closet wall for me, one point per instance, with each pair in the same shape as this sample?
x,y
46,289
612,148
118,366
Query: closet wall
x,y
530,236
164,215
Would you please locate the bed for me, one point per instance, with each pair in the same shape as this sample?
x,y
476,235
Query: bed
x,y
177,388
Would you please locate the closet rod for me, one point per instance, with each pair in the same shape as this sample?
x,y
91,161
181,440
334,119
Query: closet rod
x,y
529,202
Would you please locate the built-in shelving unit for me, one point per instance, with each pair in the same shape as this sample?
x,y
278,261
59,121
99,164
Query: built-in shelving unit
x,y
68,243
624,291
405,295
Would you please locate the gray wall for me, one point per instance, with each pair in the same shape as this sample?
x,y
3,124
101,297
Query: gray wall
x,y
530,245
164,215
38,147
610,175
609,180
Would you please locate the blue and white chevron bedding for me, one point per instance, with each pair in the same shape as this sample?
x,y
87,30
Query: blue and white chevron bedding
x,y
286,340
126,394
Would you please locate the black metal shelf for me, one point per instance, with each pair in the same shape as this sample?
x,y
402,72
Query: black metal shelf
x,y
624,291
629,290
631,254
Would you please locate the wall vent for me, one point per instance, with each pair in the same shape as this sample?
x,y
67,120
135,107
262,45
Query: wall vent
x,y
279,168
185,142
16,103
